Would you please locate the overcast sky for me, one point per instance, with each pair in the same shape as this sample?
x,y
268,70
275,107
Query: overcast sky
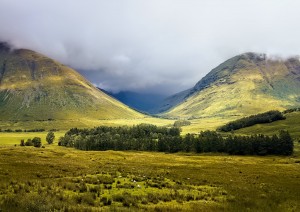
x,y
158,46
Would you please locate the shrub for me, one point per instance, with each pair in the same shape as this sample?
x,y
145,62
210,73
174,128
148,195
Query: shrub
x,y
29,142
22,143
50,137
37,142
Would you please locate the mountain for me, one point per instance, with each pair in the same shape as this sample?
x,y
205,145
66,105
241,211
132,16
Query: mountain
x,y
35,87
140,101
246,84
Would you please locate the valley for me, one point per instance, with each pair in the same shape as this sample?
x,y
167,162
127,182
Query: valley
x,y
159,106
60,178
38,93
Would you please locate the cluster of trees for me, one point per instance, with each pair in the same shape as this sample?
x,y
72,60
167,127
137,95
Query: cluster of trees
x,y
37,141
162,139
142,137
261,118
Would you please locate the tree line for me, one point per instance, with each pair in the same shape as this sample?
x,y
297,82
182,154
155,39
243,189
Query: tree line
x,y
261,118
162,139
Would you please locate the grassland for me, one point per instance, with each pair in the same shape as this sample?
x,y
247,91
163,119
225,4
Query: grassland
x,y
206,123
59,178
64,178
8,139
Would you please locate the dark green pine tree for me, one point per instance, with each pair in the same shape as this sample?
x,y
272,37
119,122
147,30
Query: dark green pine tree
x,y
286,143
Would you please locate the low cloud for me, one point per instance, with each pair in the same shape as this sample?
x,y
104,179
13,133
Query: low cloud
x,y
150,46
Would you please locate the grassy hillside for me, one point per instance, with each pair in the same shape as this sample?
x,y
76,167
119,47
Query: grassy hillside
x,y
244,85
291,123
34,87
63,178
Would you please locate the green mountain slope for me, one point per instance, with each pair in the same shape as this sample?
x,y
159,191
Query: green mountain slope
x,y
35,87
243,85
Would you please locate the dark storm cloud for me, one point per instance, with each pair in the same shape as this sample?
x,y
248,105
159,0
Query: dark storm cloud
x,y
156,46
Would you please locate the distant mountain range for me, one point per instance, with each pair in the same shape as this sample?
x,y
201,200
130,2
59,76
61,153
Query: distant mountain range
x,y
246,84
140,101
35,87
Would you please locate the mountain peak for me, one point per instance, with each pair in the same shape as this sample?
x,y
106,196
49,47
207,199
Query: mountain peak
x,y
35,87
242,85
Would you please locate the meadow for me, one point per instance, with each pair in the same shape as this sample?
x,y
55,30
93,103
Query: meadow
x,y
12,138
59,178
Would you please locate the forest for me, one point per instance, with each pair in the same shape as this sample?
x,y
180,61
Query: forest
x,y
146,137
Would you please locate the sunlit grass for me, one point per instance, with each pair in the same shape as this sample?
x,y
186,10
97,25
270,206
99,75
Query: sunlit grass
x,y
203,124
182,181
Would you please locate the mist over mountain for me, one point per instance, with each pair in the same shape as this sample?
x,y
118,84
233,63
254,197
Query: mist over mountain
x,y
149,46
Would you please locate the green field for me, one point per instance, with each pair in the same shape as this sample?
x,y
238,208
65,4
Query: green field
x,y
9,139
59,178
64,178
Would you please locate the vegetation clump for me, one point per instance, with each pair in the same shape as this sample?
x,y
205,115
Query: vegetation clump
x,y
50,137
28,142
36,142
